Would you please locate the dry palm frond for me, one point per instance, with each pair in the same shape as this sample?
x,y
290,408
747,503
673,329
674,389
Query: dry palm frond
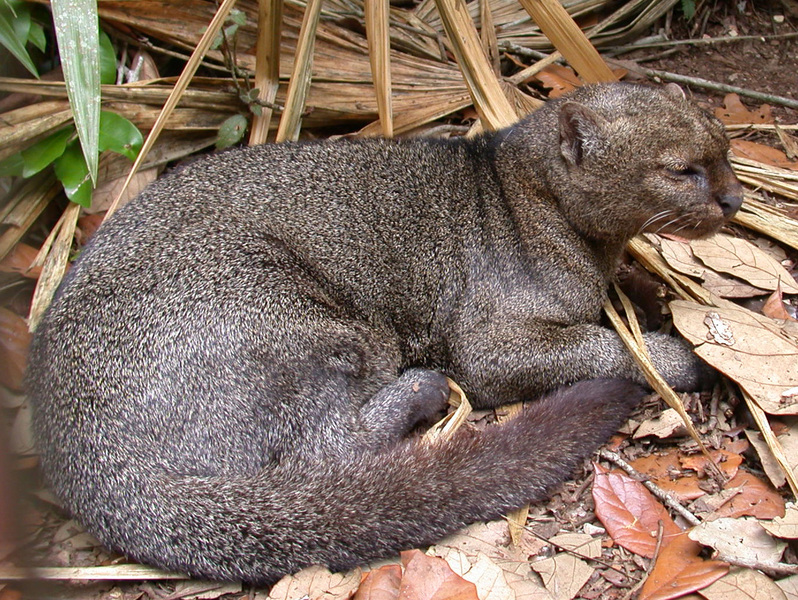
x,y
267,65
377,28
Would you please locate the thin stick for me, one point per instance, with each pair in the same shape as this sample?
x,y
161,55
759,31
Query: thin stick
x,y
712,85
666,497
699,42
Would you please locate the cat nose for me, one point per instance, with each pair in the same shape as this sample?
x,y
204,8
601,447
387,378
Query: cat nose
x,y
730,203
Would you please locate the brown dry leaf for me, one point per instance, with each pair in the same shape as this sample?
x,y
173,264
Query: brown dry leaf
x,y
563,575
769,463
774,307
380,584
789,586
749,348
726,461
679,570
630,512
19,261
729,287
316,582
559,79
786,526
665,425
754,498
763,154
665,470
734,112
742,584
14,342
431,578
744,539
488,576
741,258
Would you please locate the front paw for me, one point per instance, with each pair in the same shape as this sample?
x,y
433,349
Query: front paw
x,y
678,364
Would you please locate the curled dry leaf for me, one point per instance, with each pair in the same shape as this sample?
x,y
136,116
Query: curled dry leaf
x,y
743,584
789,586
774,307
744,260
787,437
786,526
630,512
14,342
680,570
665,425
744,539
734,112
749,348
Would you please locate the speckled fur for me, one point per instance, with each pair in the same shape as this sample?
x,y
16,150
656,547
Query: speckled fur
x,y
226,379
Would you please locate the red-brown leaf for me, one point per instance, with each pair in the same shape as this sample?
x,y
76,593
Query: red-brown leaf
x,y
679,570
630,512
380,584
14,342
431,578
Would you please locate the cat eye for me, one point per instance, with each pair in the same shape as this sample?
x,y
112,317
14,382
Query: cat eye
x,y
682,170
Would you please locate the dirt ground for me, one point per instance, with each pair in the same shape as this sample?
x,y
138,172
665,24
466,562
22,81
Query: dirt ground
x,y
765,65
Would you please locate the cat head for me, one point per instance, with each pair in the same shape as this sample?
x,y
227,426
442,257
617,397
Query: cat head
x,y
644,159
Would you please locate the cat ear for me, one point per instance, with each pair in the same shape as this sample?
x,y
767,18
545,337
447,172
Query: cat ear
x,y
580,130
675,92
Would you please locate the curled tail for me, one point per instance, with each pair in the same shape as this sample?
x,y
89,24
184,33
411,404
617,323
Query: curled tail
x,y
348,513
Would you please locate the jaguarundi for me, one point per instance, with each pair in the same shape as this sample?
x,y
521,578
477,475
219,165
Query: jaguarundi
x,y
225,382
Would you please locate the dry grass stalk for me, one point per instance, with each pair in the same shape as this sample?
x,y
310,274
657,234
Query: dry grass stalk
x,y
487,33
23,126
635,343
489,99
182,83
267,65
21,212
768,220
377,31
54,264
772,441
566,36
299,84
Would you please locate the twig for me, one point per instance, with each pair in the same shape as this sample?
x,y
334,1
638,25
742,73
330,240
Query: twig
x,y
571,552
657,548
777,569
711,85
698,42
669,500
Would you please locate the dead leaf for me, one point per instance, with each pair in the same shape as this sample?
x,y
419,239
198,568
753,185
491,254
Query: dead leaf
x,y
754,498
679,255
789,142
763,154
563,574
745,261
679,570
205,590
431,578
729,287
665,470
734,112
789,586
667,424
774,307
743,584
316,582
630,512
19,261
743,539
769,463
14,343
749,348
582,544
786,526
561,80
487,576
380,584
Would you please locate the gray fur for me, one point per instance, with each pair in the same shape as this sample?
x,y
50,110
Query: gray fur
x,y
226,379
